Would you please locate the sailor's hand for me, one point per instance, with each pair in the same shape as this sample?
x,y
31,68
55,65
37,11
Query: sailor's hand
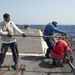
x,y
64,34
23,35
9,35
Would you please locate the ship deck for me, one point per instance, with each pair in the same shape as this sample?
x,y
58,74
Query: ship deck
x,y
31,53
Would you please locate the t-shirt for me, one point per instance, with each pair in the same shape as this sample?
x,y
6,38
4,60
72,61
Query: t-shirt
x,y
61,47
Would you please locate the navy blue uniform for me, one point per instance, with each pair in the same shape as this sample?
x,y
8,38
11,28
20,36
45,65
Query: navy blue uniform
x,y
48,31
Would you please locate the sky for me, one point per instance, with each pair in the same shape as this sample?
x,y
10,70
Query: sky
x,y
39,11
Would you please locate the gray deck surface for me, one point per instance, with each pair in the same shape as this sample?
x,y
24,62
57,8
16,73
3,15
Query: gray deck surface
x,y
34,65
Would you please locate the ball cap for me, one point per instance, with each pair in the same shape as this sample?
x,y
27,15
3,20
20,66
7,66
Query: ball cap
x,y
54,22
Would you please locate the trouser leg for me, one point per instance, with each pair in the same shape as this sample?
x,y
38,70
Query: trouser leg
x,y
50,43
14,49
4,49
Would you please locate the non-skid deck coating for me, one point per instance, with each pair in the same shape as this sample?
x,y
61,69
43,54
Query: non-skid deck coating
x,y
35,65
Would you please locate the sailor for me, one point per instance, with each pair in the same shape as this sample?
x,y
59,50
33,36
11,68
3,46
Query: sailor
x,y
48,31
58,52
8,28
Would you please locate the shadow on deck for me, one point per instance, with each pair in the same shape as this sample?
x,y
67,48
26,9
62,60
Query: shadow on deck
x,y
47,64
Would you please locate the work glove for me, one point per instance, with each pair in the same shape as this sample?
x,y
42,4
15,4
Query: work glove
x,y
23,35
64,34
9,35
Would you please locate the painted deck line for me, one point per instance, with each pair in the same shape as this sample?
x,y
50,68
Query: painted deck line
x,y
23,54
44,45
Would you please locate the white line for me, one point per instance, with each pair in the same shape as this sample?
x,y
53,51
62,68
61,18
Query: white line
x,y
44,45
23,54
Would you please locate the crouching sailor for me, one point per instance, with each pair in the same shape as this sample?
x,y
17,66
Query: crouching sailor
x,y
59,51
8,28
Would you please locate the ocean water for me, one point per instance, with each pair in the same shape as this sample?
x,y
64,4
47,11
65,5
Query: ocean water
x,y
69,29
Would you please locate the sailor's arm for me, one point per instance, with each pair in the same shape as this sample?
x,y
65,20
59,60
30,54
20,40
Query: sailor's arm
x,y
70,52
18,30
2,32
57,30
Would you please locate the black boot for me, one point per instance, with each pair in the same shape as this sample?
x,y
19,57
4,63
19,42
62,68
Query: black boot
x,y
47,53
54,63
15,66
